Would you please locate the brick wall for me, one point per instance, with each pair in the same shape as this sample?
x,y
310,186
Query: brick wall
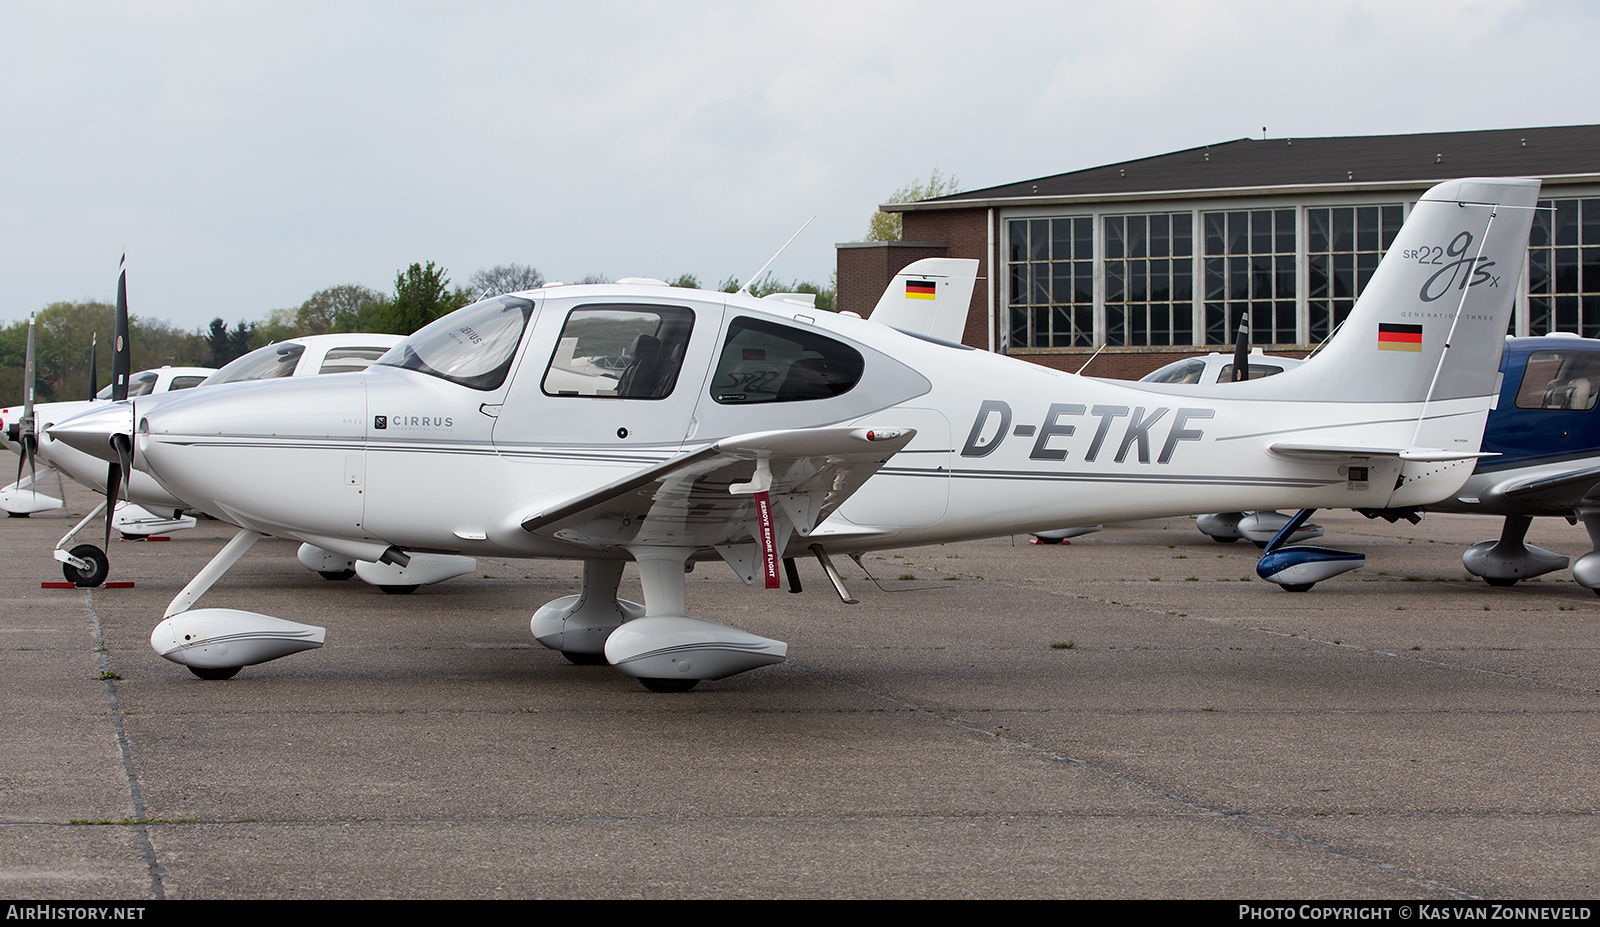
x,y
866,267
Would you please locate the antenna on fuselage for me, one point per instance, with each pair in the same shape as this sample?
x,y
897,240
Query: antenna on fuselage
x,y
744,288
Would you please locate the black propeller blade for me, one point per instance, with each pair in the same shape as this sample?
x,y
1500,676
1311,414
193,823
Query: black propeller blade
x,y
27,433
114,477
121,366
1241,350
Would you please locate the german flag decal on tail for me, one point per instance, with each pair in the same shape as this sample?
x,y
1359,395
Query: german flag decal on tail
x,y
1394,337
919,289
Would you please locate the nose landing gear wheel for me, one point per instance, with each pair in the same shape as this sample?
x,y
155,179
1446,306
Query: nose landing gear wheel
x,y
96,576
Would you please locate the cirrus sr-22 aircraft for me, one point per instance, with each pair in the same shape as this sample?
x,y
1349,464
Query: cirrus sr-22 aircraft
x,y
670,426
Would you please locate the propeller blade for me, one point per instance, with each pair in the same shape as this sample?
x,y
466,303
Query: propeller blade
x,y
122,351
27,432
114,477
1241,350
94,364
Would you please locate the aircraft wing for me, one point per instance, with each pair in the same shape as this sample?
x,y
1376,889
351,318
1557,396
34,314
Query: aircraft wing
x,y
704,497
1563,491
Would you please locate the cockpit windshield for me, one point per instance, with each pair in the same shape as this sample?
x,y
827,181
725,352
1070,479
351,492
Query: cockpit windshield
x,y
472,346
268,363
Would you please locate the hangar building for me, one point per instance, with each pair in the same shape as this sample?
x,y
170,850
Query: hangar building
x,y
1158,257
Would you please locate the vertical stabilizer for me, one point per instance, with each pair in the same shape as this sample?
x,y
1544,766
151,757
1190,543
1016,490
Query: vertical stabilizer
x,y
1430,325
930,297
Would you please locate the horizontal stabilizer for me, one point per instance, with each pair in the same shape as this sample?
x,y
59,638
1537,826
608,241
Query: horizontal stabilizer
x,y
1294,450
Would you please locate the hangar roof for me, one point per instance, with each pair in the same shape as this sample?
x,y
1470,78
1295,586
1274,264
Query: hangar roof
x,y
1299,164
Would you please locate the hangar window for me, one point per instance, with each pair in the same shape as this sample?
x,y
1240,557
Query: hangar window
x,y
766,362
1249,267
1052,283
1149,267
1564,268
622,352
1343,247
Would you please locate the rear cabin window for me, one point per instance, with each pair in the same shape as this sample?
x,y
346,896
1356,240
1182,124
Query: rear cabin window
x,y
1560,380
620,352
767,362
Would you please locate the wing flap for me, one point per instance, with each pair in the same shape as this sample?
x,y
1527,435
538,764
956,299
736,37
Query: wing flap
x,y
701,498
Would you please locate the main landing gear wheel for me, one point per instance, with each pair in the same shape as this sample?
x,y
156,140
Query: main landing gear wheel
x,y
585,659
1499,581
1297,587
96,576
668,685
218,672
398,590
1223,540
337,575
16,514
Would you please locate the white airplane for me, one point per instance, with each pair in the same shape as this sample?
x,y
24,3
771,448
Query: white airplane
x,y
148,508
670,426
18,499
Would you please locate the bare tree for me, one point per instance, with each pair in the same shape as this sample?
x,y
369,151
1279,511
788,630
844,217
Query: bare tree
x,y
504,278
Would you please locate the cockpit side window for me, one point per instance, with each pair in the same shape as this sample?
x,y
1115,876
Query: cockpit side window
x,y
1257,371
766,362
1184,371
622,352
1560,380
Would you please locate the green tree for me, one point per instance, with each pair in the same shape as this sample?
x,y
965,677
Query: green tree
x,y
421,294
768,284
348,307
228,345
886,226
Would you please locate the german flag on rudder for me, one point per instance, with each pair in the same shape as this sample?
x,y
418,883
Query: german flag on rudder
x,y
1396,337
920,289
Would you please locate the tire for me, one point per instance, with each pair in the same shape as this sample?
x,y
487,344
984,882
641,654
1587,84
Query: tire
x,y
96,576
1500,583
1223,540
215,673
1297,587
16,514
668,685
1040,540
336,575
585,659
399,590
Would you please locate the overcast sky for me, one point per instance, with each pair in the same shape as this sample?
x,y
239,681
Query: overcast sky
x,y
246,154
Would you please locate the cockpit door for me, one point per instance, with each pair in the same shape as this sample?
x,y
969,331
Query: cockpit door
x,y
608,377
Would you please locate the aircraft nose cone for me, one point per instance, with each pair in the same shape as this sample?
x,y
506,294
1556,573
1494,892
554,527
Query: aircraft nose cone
x,y
91,432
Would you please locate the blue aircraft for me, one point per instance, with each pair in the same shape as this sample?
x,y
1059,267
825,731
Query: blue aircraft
x,y
1542,447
